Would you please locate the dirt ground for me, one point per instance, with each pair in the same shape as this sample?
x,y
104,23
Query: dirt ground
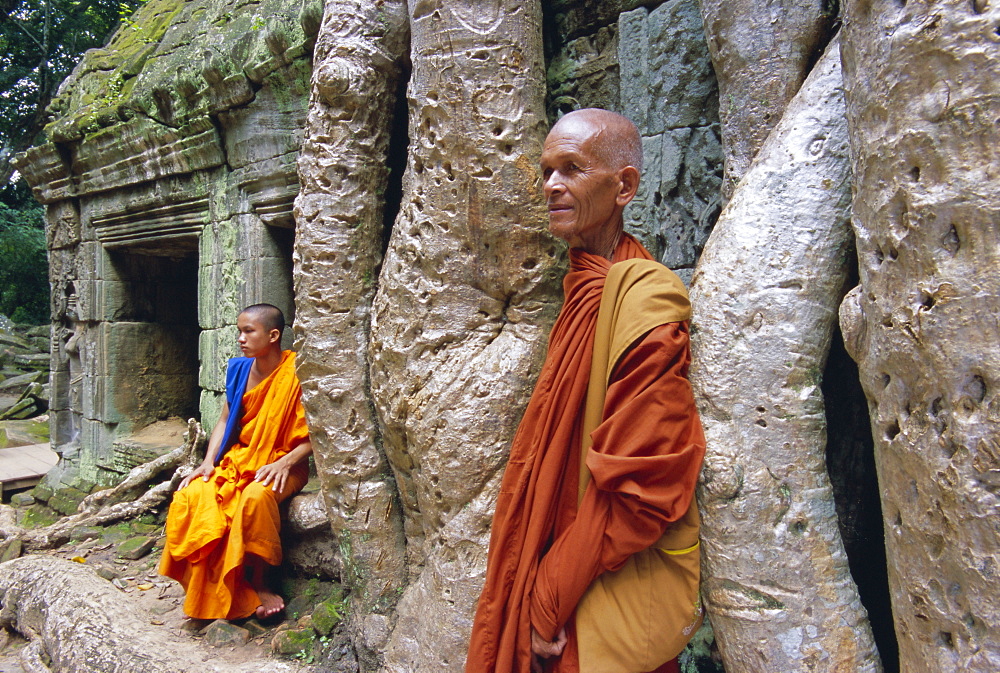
x,y
161,598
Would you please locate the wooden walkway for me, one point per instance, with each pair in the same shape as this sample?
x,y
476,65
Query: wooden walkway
x,y
24,466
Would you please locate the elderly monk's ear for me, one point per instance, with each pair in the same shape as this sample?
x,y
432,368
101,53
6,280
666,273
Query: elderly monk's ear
x,y
629,178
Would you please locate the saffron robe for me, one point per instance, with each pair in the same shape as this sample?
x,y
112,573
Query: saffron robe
x,y
547,546
213,525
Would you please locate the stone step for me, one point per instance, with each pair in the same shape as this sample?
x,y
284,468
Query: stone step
x,y
39,361
148,444
7,339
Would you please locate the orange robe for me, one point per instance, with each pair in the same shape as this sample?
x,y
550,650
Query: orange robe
x,y
212,525
545,548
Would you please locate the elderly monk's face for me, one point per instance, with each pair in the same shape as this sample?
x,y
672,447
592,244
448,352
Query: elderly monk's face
x,y
581,190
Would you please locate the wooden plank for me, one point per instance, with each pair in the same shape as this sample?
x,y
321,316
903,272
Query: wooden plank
x,y
25,463
30,457
19,484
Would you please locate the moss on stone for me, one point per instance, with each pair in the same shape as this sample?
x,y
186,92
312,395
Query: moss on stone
x,y
117,532
144,528
42,492
66,500
327,615
149,60
37,516
294,642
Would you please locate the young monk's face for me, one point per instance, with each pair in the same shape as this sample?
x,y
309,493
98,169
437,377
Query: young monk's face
x,y
254,338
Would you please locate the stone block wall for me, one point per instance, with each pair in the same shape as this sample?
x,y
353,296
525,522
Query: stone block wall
x,y
649,61
168,180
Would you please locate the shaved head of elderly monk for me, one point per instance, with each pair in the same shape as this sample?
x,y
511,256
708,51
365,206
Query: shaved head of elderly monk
x,y
223,523
593,561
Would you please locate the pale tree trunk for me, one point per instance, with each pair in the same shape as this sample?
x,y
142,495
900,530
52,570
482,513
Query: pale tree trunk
x,y
765,294
466,297
923,82
762,52
358,65
79,622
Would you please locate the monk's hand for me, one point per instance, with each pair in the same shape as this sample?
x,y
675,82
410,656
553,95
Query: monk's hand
x,y
543,649
204,471
275,473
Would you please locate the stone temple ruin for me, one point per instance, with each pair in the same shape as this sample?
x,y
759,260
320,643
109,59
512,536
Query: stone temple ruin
x,y
168,183
169,178
170,174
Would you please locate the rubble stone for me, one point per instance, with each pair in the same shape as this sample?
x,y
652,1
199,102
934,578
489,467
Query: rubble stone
x,y
22,500
221,633
66,500
135,548
293,641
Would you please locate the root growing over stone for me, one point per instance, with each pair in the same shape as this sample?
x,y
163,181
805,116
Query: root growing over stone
x,y
77,621
116,503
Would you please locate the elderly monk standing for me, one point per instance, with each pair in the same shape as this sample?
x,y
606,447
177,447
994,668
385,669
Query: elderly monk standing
x,y
222,528
593,560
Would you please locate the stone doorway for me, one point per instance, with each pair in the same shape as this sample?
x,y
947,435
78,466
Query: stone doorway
x,y
146,362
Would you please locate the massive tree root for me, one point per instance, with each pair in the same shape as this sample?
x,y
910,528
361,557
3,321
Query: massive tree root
x,y
344,170
78,622
777,42
115,503
465,298
765,293
923,100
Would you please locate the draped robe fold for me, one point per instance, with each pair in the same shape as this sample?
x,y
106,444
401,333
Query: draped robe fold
x,y
213,525
548,545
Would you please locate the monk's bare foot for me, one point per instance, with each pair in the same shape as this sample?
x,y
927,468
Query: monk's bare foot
x,y
270,604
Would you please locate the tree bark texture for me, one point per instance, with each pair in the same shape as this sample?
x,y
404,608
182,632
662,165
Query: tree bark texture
x,y
762,52
466,297
765,295
923,99
359,60
81,623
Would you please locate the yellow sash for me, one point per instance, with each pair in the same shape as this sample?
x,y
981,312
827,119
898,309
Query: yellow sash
x,y
639,617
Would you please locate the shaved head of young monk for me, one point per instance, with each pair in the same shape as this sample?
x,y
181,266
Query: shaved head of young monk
x,y
590,164
268,315
260,328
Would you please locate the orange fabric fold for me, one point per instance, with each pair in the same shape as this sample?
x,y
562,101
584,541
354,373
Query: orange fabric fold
x,y
543,552
644,464
213,525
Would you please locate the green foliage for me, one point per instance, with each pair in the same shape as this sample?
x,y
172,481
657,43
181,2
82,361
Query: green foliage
x,y
24,279
313,649
40,43
125,11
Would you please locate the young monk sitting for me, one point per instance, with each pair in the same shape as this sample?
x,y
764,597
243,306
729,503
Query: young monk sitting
x,y
223,523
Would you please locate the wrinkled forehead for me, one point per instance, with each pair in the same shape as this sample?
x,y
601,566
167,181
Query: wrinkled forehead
x,y
581,131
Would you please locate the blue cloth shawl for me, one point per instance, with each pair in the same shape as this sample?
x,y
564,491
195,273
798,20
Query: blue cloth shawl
x,y
237,375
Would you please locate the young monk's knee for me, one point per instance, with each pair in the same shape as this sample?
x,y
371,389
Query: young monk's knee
x,y
187,499
294,482
256,495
